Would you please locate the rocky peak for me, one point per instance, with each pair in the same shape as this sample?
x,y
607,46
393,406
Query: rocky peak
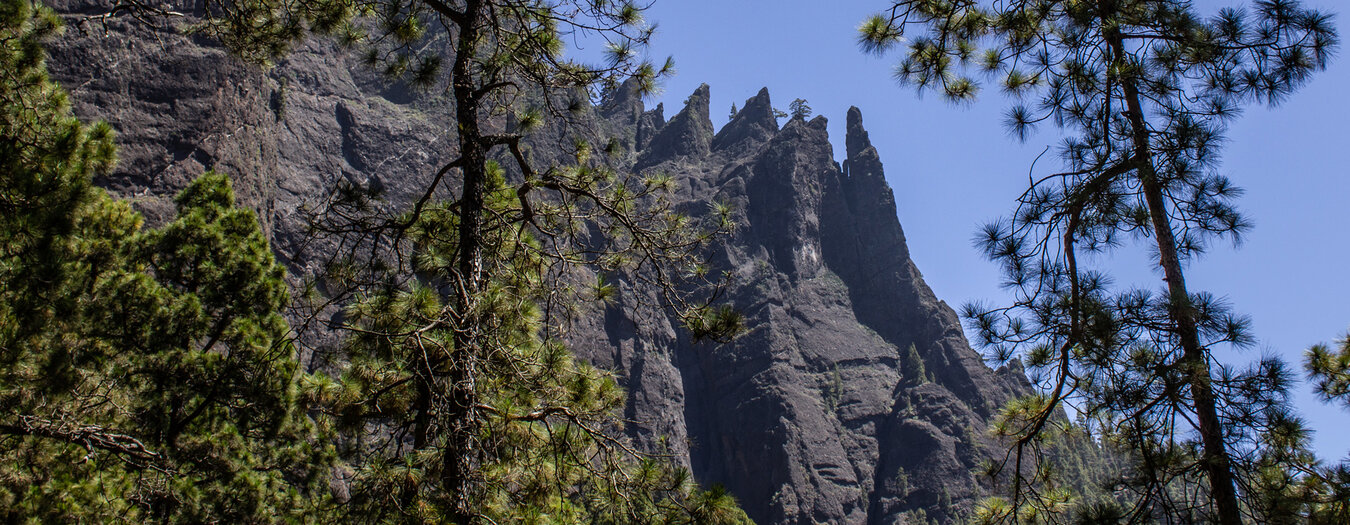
x,y
855,138
783,186
863,164
624,103
754,123
688,134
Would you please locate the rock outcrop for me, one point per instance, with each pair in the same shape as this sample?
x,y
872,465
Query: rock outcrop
x,y
811,417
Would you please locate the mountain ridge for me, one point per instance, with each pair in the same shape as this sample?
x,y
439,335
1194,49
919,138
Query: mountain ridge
x,y
809,417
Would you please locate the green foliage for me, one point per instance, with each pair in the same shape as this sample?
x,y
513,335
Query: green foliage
x,y
911,367
146,373
716,323
1330,370
1319,493
138,369
548,440
48,155
1070,474
733,111
800,109
833,390
1144,89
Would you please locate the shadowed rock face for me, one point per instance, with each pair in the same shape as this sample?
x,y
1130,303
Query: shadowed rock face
x,y
808,418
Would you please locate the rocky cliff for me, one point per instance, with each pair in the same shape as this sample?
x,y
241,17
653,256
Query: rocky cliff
x,y
822,413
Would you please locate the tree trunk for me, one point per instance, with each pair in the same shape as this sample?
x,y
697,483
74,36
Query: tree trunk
x,y
1194,359
461,414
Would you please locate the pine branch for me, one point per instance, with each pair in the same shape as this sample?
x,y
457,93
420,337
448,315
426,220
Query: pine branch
x,y
90,437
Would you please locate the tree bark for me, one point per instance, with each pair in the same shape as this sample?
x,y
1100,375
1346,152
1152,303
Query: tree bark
x,y
460,416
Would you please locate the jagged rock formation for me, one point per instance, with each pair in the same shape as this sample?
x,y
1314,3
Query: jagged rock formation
x,y
812,417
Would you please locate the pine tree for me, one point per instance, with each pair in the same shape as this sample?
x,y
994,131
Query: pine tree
x,y
911,367
800,109
444,358
1144,88
145,375
733,111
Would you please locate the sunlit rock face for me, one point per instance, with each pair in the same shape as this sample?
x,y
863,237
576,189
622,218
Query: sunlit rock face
x,y
807,418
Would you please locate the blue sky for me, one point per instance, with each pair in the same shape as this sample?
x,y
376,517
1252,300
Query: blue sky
x,y
954,168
